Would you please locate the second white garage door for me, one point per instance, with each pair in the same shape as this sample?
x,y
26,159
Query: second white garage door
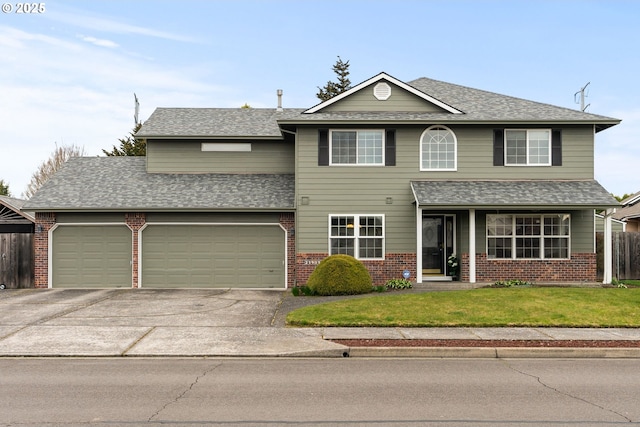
x,y
213,256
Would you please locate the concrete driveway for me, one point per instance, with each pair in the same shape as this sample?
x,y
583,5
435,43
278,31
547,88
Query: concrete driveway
x,y
146,322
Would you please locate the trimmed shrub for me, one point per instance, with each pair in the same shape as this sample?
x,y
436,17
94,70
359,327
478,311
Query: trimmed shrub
x,y
340,275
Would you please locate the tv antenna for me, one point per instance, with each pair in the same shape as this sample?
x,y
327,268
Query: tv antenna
x,y
137,109
582,96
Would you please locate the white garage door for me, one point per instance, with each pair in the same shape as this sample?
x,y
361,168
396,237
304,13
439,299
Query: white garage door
x,y
213,256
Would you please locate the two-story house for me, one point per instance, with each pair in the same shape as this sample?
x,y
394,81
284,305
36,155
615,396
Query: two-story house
x,y
401,175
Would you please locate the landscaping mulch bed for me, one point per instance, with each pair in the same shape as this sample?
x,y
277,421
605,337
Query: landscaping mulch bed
x,y
487,343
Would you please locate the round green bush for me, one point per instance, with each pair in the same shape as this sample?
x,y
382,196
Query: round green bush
x,y
340,275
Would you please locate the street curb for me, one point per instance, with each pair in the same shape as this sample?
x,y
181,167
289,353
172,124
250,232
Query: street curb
x,y
497,352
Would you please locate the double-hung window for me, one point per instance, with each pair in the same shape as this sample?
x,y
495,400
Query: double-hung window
x,y
528,236
357,147
361,236
528,147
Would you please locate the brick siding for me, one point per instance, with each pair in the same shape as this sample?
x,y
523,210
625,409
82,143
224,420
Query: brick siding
x,y
135,221
580,268
44,222
390,268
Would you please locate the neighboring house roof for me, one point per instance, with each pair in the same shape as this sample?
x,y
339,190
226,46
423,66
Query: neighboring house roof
x,y
10,210
123,184
214,122
630,208
512,194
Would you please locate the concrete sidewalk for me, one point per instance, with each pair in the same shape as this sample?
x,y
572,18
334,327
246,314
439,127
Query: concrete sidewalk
x,y
235,323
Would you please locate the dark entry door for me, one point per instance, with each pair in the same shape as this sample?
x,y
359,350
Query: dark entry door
x,y
433,244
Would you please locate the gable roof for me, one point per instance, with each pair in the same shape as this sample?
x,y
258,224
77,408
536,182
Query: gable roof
x,y
475,106
460,104
10,210
516,194
381,77
123,184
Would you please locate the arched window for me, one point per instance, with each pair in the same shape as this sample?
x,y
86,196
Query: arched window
x,y
438,149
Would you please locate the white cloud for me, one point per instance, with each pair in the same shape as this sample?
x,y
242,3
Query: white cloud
x,y
96,23
99,42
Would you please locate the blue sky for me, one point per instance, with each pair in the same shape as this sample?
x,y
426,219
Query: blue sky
x,y
68,75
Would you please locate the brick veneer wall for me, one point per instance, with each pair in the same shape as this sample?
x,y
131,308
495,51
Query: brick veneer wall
x,y
135,221
44,221
580,268
390,268
287,220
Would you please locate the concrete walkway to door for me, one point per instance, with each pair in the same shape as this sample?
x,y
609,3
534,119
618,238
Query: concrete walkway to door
x,y
225,323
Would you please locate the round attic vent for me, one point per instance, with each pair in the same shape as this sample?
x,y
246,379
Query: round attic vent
x,y
382,91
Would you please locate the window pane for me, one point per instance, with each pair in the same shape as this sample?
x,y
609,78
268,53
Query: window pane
x,y
499,225
557,225
539,147
528,226
343,147
528,247
342,246
499,247
370,226
370,248
342,226
516,142
556,247
370,147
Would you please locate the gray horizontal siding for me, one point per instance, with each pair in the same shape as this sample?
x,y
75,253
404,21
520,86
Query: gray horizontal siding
x,y
400,100
177,156
364,189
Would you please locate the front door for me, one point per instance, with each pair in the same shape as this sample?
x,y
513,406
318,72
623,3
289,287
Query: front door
x,y
437,243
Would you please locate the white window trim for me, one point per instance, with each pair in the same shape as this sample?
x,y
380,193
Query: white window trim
x,y
455,151
356,236
528,164
384,146
513,236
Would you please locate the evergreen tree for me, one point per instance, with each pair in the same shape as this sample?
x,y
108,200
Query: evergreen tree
x,y
4,188
331,89
129,146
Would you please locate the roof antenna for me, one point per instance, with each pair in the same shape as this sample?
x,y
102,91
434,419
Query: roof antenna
x,y
137,109
582,96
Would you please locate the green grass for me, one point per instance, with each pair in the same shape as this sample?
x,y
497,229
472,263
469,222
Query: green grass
x,y
559,307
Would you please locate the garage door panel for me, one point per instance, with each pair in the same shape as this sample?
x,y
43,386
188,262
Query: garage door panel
x,y
91,256
213,256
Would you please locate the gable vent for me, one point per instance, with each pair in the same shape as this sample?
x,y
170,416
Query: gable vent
x,y
382,91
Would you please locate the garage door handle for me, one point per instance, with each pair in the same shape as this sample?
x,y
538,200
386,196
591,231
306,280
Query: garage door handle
x,y
270,271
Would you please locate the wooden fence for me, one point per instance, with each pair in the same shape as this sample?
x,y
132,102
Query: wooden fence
x,y
17,260
625,255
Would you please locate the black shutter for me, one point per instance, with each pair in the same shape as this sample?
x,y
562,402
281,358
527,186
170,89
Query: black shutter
x,y
390,148
556,147
323,147
498,147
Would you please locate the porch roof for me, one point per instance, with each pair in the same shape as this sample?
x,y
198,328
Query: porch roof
x,y
520,194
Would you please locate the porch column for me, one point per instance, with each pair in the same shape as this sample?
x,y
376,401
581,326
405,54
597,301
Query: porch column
x,y
607,276
472,246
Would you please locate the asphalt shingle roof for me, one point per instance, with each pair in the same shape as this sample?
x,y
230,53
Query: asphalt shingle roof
x,y
515,194
478,106
122,184
212,122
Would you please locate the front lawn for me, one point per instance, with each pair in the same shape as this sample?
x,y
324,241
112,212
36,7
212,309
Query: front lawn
x,y
559,307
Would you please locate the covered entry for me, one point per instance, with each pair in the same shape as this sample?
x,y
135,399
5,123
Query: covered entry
x,y
213,256
91,256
